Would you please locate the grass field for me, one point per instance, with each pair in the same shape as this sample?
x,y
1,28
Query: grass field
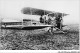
x,y
39,39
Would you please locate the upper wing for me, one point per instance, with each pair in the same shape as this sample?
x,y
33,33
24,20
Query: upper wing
x,y
34,11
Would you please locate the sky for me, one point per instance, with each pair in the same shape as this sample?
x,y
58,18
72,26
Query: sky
x,y
11,9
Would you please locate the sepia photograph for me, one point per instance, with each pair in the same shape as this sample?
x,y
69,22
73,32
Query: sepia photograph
x,y
39,24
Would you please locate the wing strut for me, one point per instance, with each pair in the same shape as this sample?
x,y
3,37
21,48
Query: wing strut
x,y
31,13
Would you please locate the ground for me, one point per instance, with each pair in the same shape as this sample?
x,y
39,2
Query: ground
x,y
40,39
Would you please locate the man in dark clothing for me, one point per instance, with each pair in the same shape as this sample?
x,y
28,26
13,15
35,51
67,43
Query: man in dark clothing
x,y
58,22
41,19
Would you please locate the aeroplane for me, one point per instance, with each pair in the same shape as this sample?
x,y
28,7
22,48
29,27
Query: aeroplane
x,y
28,24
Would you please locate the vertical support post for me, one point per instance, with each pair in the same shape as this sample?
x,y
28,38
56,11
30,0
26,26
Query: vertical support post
x,y
44,17
22,22
31,14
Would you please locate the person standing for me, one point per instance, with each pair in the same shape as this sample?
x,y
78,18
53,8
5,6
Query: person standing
x,y
59,22
41,19
51,21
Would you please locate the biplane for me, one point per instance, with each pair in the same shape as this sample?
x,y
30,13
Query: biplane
x,y
29,24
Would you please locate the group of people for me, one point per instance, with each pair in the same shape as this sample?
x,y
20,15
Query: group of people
x,y
51,19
